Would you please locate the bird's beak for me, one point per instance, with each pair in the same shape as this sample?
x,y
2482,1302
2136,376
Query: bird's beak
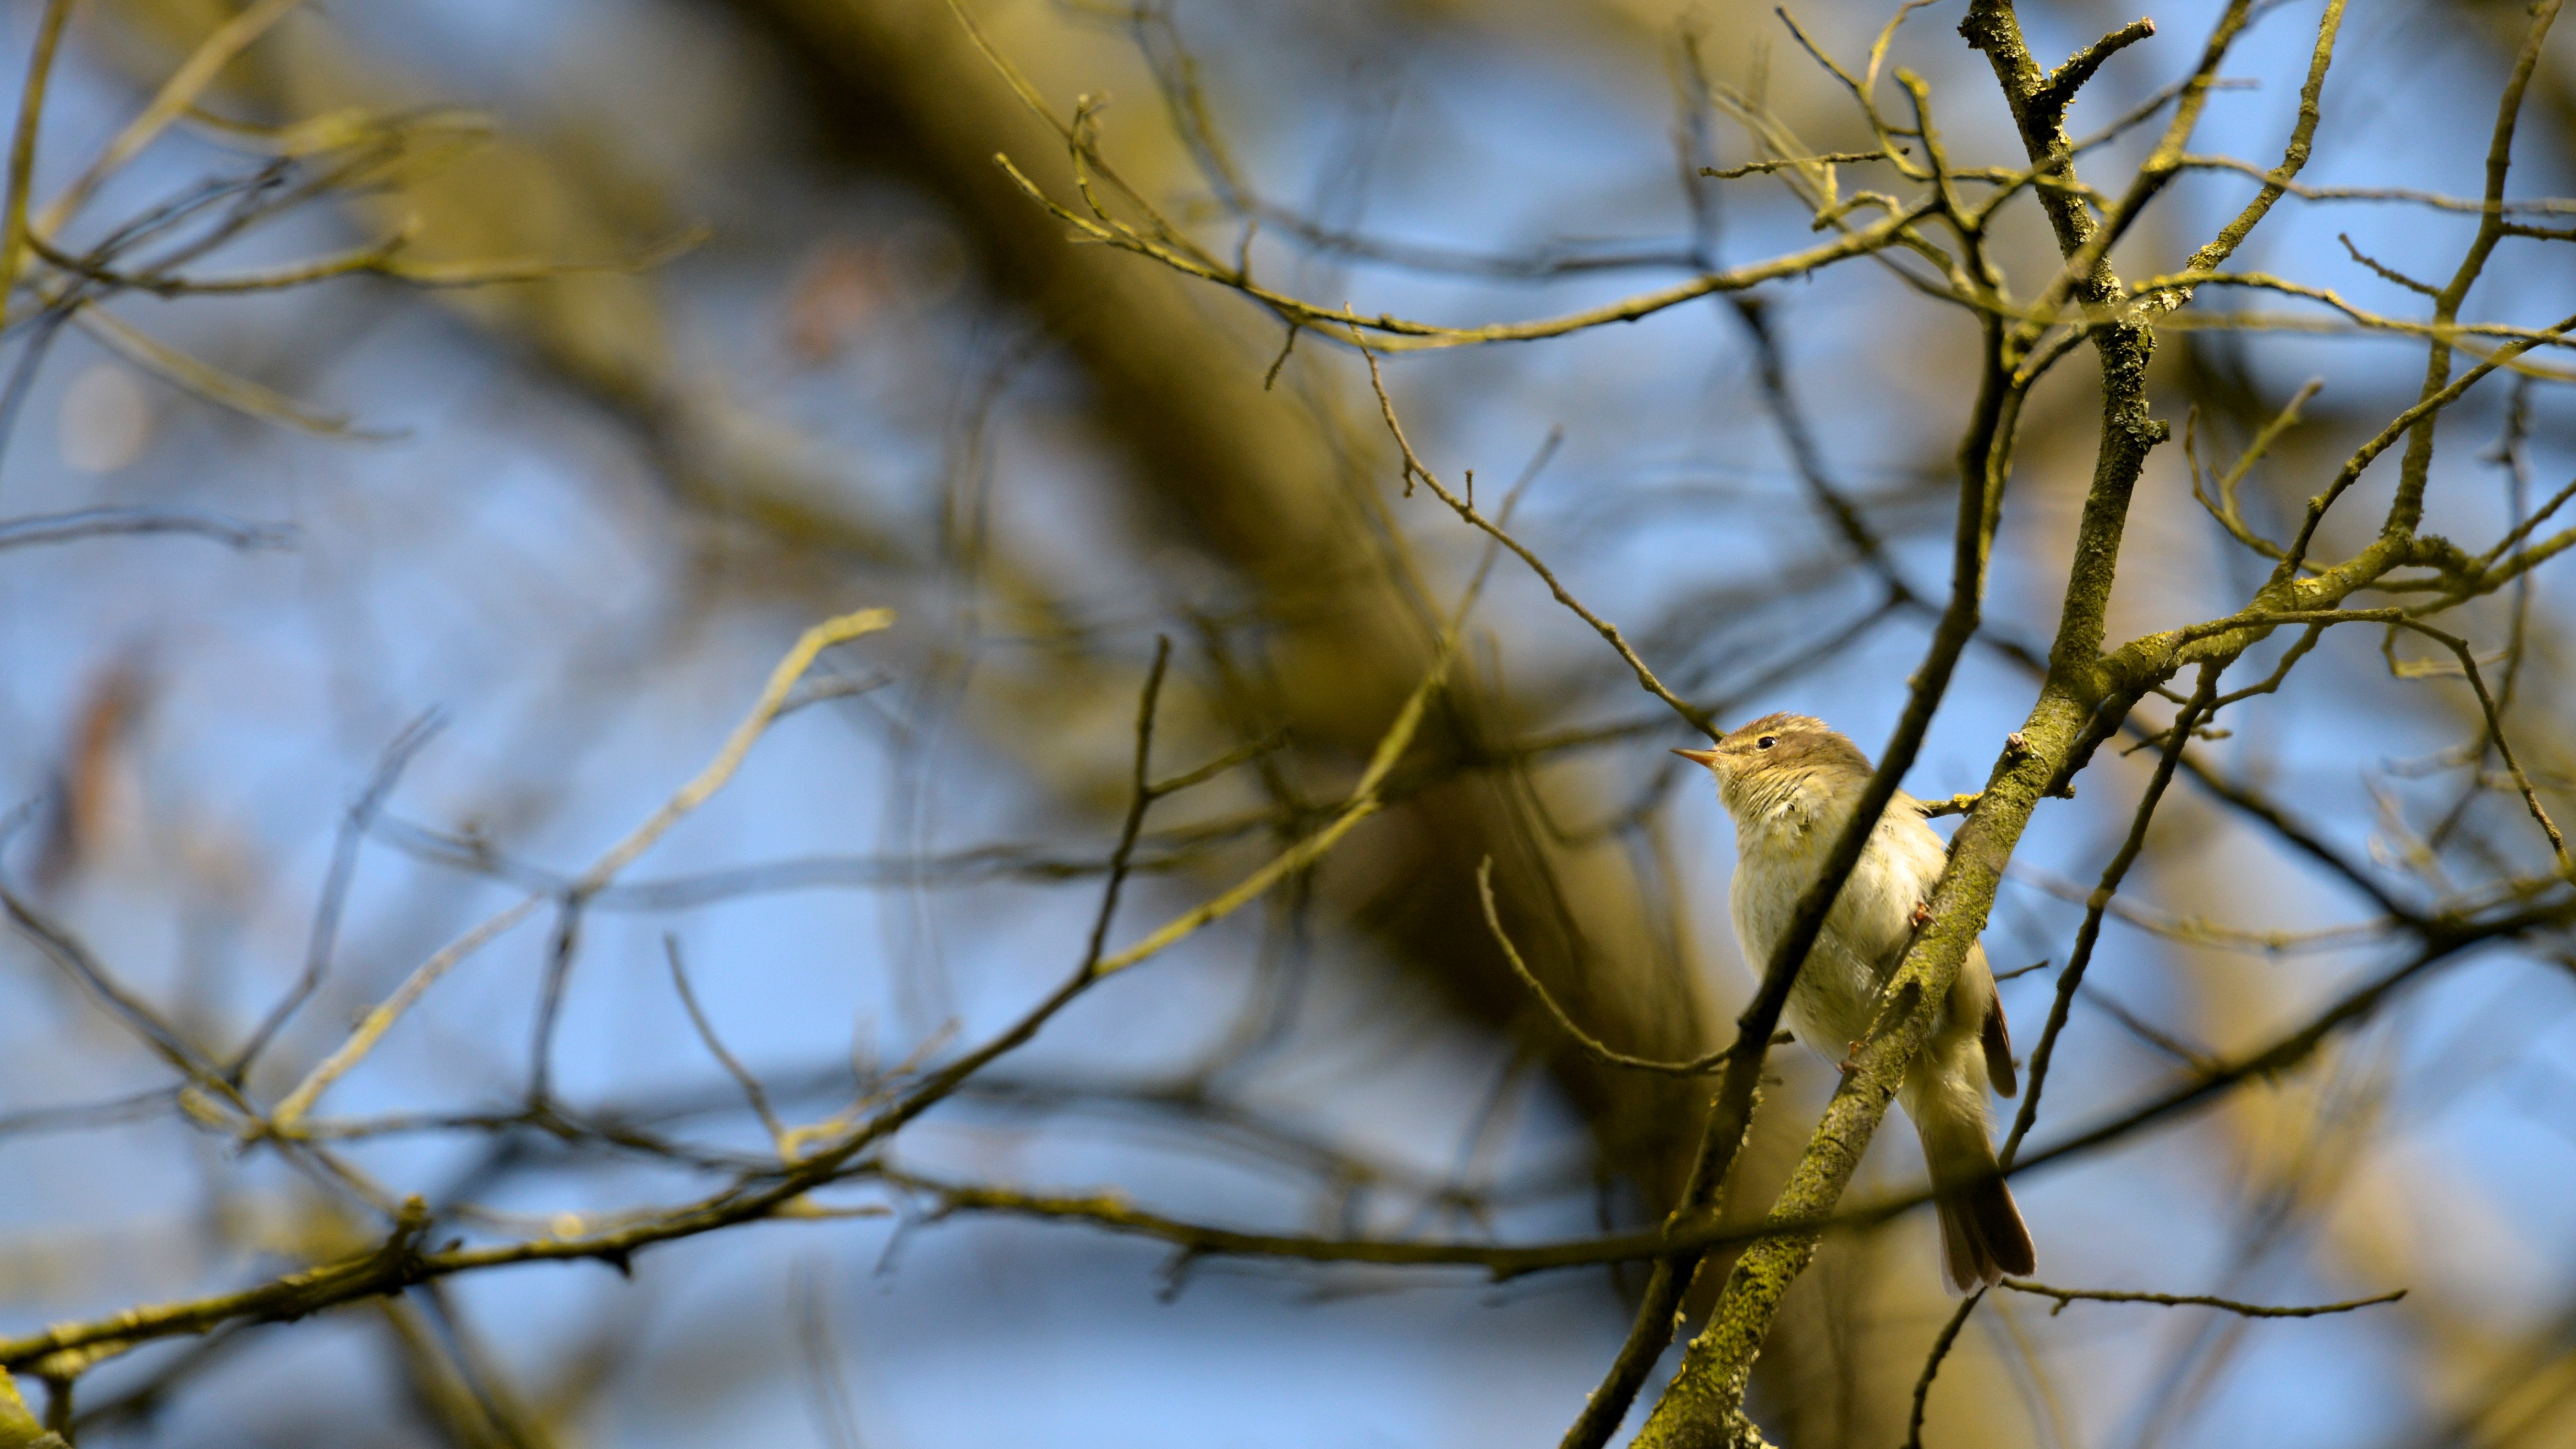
x,y
1699,757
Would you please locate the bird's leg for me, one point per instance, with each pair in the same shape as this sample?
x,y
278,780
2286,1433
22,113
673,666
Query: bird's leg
x,y
1851,1060
1922,915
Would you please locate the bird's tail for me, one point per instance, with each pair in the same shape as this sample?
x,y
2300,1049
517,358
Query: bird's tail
x,y
1983,1238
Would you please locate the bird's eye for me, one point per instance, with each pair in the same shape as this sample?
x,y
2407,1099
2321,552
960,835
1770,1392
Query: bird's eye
x,y
1766,742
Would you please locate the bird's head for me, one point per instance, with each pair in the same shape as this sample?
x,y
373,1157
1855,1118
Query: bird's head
x,y
1780,758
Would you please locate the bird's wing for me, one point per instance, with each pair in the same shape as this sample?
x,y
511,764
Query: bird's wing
x,y
1992,1032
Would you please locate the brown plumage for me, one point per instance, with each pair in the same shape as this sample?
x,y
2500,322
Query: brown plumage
x,y
1792,783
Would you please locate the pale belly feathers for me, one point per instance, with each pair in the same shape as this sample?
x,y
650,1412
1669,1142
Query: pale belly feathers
x,y
1835,997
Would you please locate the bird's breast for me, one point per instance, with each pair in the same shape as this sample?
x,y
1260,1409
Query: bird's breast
x,y
1836,994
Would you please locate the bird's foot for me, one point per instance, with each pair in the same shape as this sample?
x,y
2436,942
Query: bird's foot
x,y
1851,1060
1922,915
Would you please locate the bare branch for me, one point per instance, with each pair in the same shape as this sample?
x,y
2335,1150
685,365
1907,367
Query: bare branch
x,y
1941,1342
1696,1066
2065,1296
83,523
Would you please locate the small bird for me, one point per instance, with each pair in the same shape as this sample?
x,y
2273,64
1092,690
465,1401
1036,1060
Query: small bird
x,y
1792,783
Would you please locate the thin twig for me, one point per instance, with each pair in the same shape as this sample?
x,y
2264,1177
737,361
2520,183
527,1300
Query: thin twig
x,y
81,523
2065,1296
717,773
1609,632
1696,1066
2072,978
1140,798
22,147
751,1088
1932,1364
354,828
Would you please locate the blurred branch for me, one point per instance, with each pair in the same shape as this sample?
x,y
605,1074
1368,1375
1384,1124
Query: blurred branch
x,y
2065,1296
354,826
81,523
1401,334
381,258
137,1015
775,1192
2072,978
22,146
1465,508
1299,533
173,100
2497,206
1941,1343
1695,1067
751,1090
214,384
833,1411
2199,931
763,1194
2225,509
513,197
79,1116
709,780
19,1427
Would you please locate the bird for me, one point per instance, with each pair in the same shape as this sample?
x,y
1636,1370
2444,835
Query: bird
x,y
1791,782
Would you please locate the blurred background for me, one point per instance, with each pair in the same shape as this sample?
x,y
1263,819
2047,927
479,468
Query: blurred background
x,y
522,554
